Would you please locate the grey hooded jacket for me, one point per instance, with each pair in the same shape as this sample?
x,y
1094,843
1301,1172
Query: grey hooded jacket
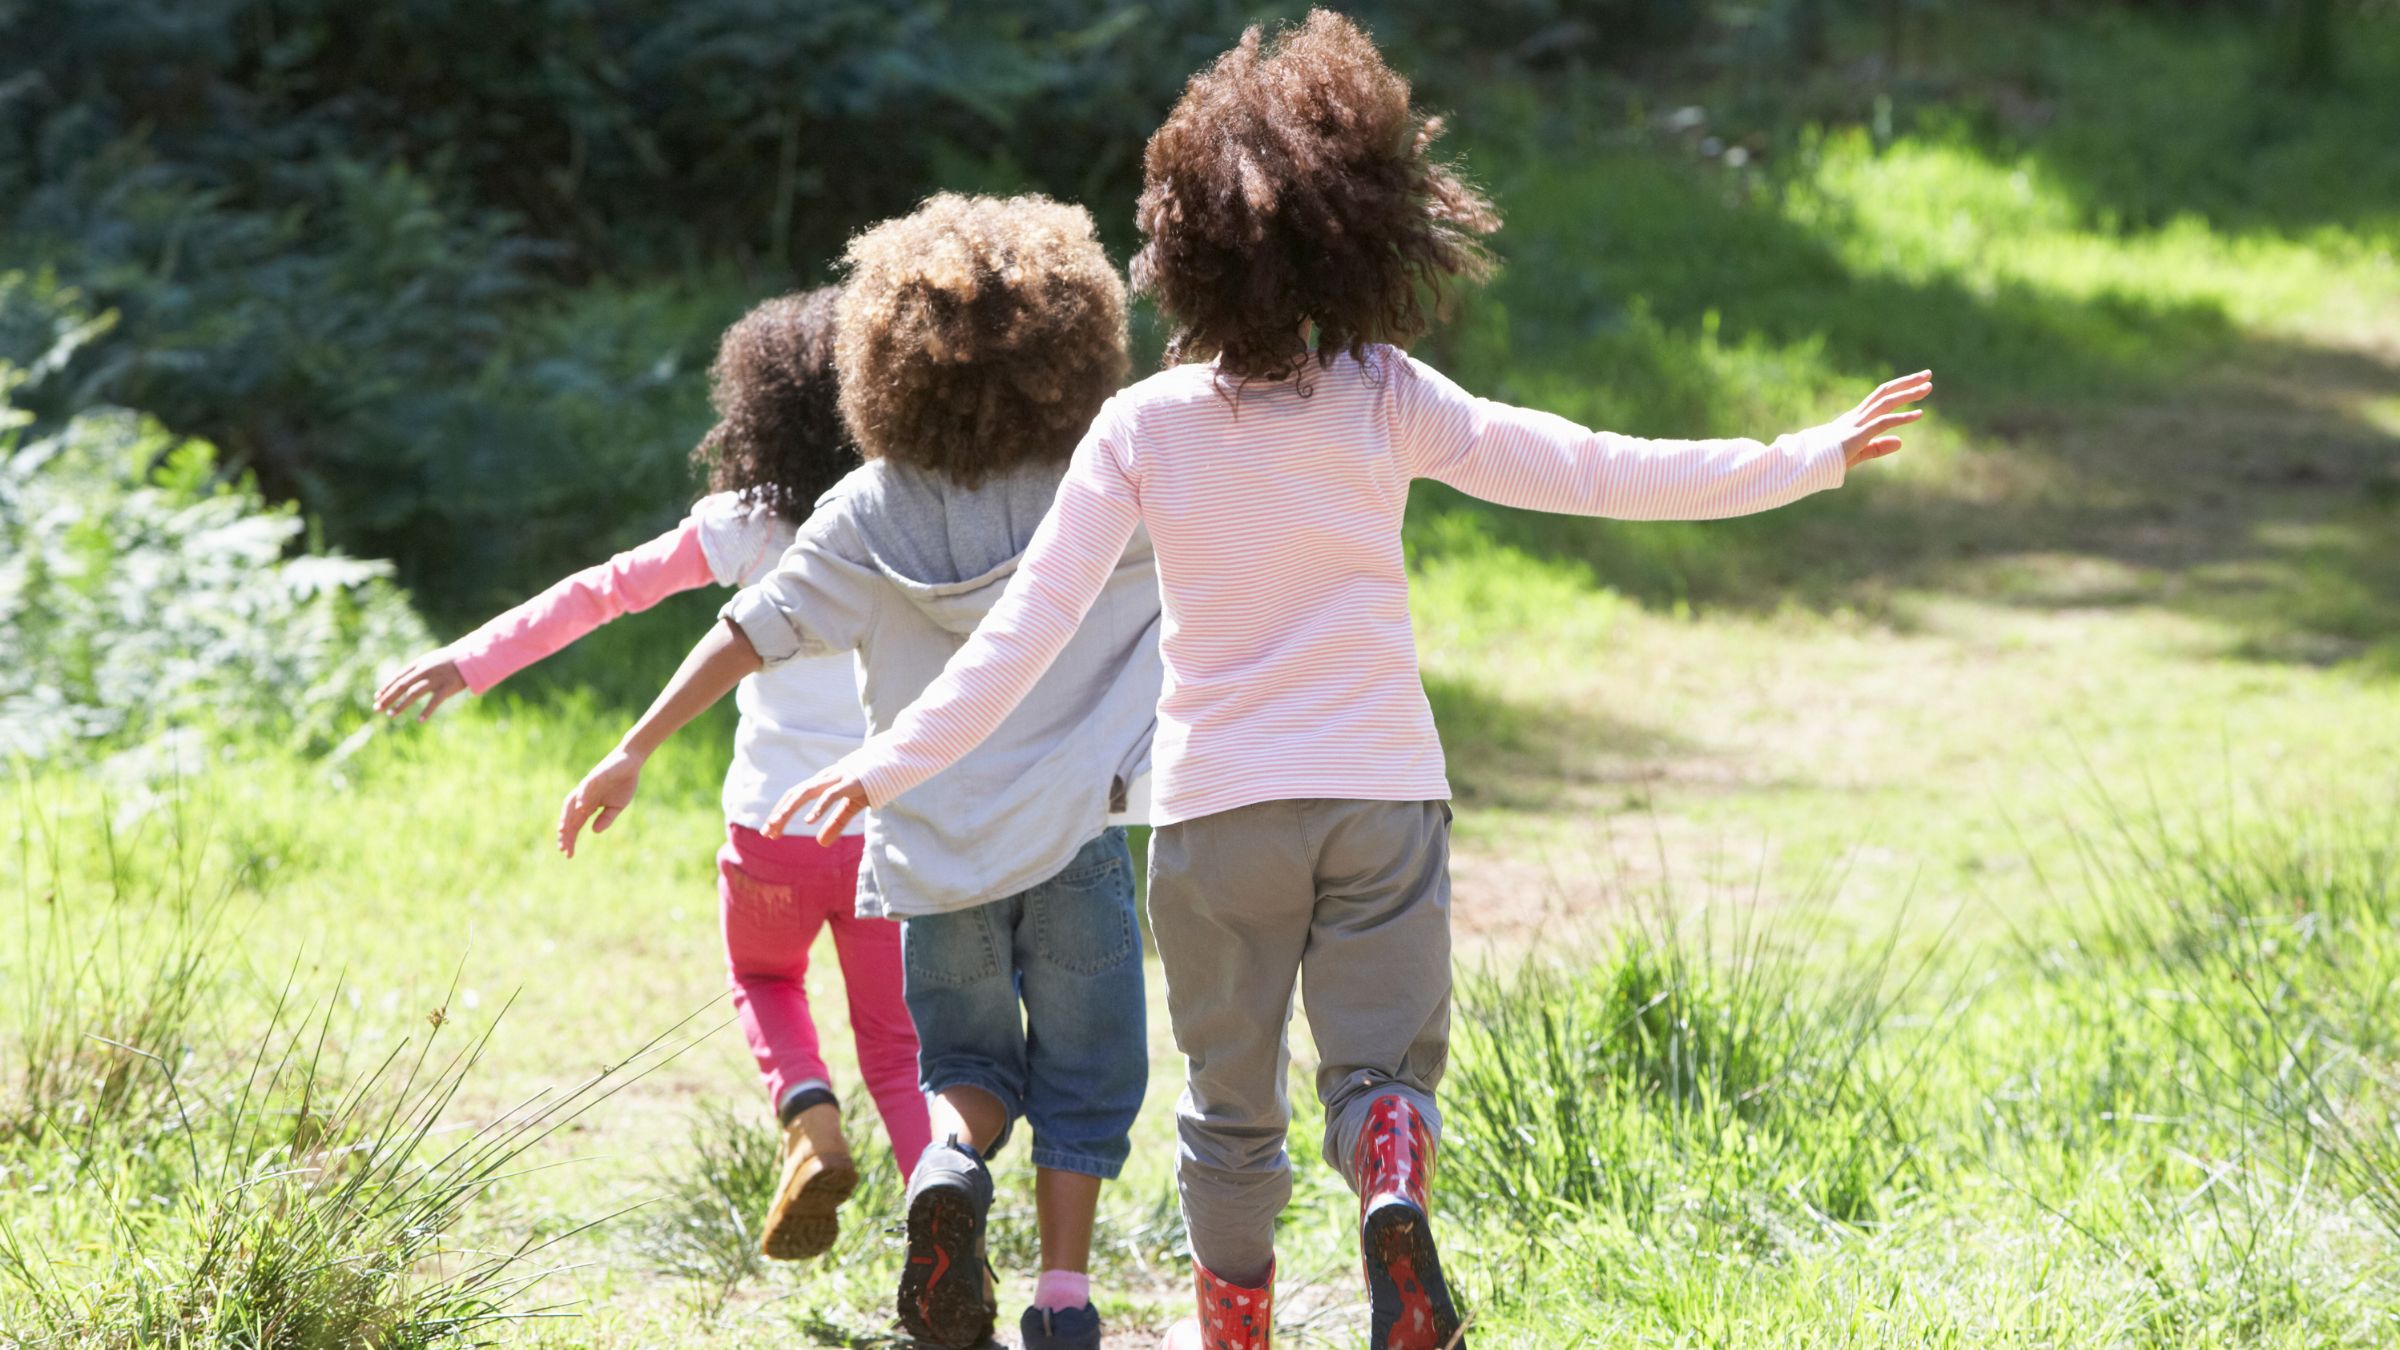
x,y
899,564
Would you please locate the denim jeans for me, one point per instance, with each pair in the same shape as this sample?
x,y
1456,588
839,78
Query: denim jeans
x,y
1036,998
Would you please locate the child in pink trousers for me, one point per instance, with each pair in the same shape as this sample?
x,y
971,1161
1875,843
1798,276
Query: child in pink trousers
x,y
978,337
778,444
1299,798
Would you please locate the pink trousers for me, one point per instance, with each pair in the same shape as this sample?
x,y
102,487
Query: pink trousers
x,y
775,894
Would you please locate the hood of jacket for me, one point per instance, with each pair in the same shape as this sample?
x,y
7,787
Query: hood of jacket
x,y
948,548
901,565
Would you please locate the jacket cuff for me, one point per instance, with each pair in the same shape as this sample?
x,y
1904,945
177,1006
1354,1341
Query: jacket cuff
x,y
771,634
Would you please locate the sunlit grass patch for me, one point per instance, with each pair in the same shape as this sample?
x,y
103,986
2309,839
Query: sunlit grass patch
x,y
198,1151
1932,209
2156,1117
1706,1093
1985,1095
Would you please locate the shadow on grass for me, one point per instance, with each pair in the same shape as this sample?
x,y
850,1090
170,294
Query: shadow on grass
x,y
2196,467
1518,751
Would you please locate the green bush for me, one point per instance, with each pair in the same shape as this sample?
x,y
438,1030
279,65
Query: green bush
x,y
143,591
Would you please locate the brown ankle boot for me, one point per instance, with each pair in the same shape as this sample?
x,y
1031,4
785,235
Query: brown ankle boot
x,y
817,1177
1232,1316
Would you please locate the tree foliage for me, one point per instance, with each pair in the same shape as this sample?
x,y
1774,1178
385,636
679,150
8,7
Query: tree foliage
x,y
384,253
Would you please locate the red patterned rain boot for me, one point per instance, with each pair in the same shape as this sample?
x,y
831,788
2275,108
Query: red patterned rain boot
x,y
1232,1316
1394,1164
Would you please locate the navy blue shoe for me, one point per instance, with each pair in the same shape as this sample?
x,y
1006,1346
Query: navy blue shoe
x,y
1073,1329
946,1295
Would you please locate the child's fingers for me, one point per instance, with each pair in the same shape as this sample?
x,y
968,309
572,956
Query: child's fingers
x,y
399,677
407,685
1878,448
440,697
1900,382
570,822
831,832
819,792
608,816
395,698
1890,422
780,818
1893,394
1890,400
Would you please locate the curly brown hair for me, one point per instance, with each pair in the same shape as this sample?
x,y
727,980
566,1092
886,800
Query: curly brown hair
x,y
1293,184
779,439
979,333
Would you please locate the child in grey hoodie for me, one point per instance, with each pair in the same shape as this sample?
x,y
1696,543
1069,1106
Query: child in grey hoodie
x,y
978,337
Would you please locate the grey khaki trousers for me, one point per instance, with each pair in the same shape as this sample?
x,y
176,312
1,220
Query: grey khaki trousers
x,y
1350,900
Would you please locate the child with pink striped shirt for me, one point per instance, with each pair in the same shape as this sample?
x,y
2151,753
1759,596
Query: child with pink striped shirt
x,y
778,444
1299,797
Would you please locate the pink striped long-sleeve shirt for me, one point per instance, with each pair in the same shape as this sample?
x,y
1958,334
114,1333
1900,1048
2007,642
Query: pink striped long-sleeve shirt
x,y
1291,662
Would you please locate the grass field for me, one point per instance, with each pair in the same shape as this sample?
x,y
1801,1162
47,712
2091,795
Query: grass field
x,y
1961,910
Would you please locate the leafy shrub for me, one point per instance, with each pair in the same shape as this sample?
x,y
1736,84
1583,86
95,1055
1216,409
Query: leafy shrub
x,y
144,591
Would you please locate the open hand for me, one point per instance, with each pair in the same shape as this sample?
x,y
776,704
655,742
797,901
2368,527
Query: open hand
x,y
607,790
1866,429
433,677
836,797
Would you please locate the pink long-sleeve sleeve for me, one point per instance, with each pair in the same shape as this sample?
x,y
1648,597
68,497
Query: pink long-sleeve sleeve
x,y
1540,461
631,581
1069,560
1276,511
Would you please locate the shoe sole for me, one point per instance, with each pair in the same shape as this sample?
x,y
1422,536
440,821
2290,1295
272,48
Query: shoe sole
x,y
1412,1307
804,1220
941,1287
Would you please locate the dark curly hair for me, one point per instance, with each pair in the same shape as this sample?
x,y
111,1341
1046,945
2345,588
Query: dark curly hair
x,y
779,439
1293,184
979,333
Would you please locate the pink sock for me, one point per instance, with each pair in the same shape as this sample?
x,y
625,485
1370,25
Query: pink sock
x,y
1061,1290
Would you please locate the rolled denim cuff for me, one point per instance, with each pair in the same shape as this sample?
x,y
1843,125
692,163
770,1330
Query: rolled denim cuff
x,y
1001,1092
1082,1164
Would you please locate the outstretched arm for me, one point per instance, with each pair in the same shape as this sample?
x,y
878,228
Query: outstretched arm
x,y
1070,559
633,580
1520,457
709,673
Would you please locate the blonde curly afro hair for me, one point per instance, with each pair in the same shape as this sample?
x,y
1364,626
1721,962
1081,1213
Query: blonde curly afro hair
x,y
1293,183
978,333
